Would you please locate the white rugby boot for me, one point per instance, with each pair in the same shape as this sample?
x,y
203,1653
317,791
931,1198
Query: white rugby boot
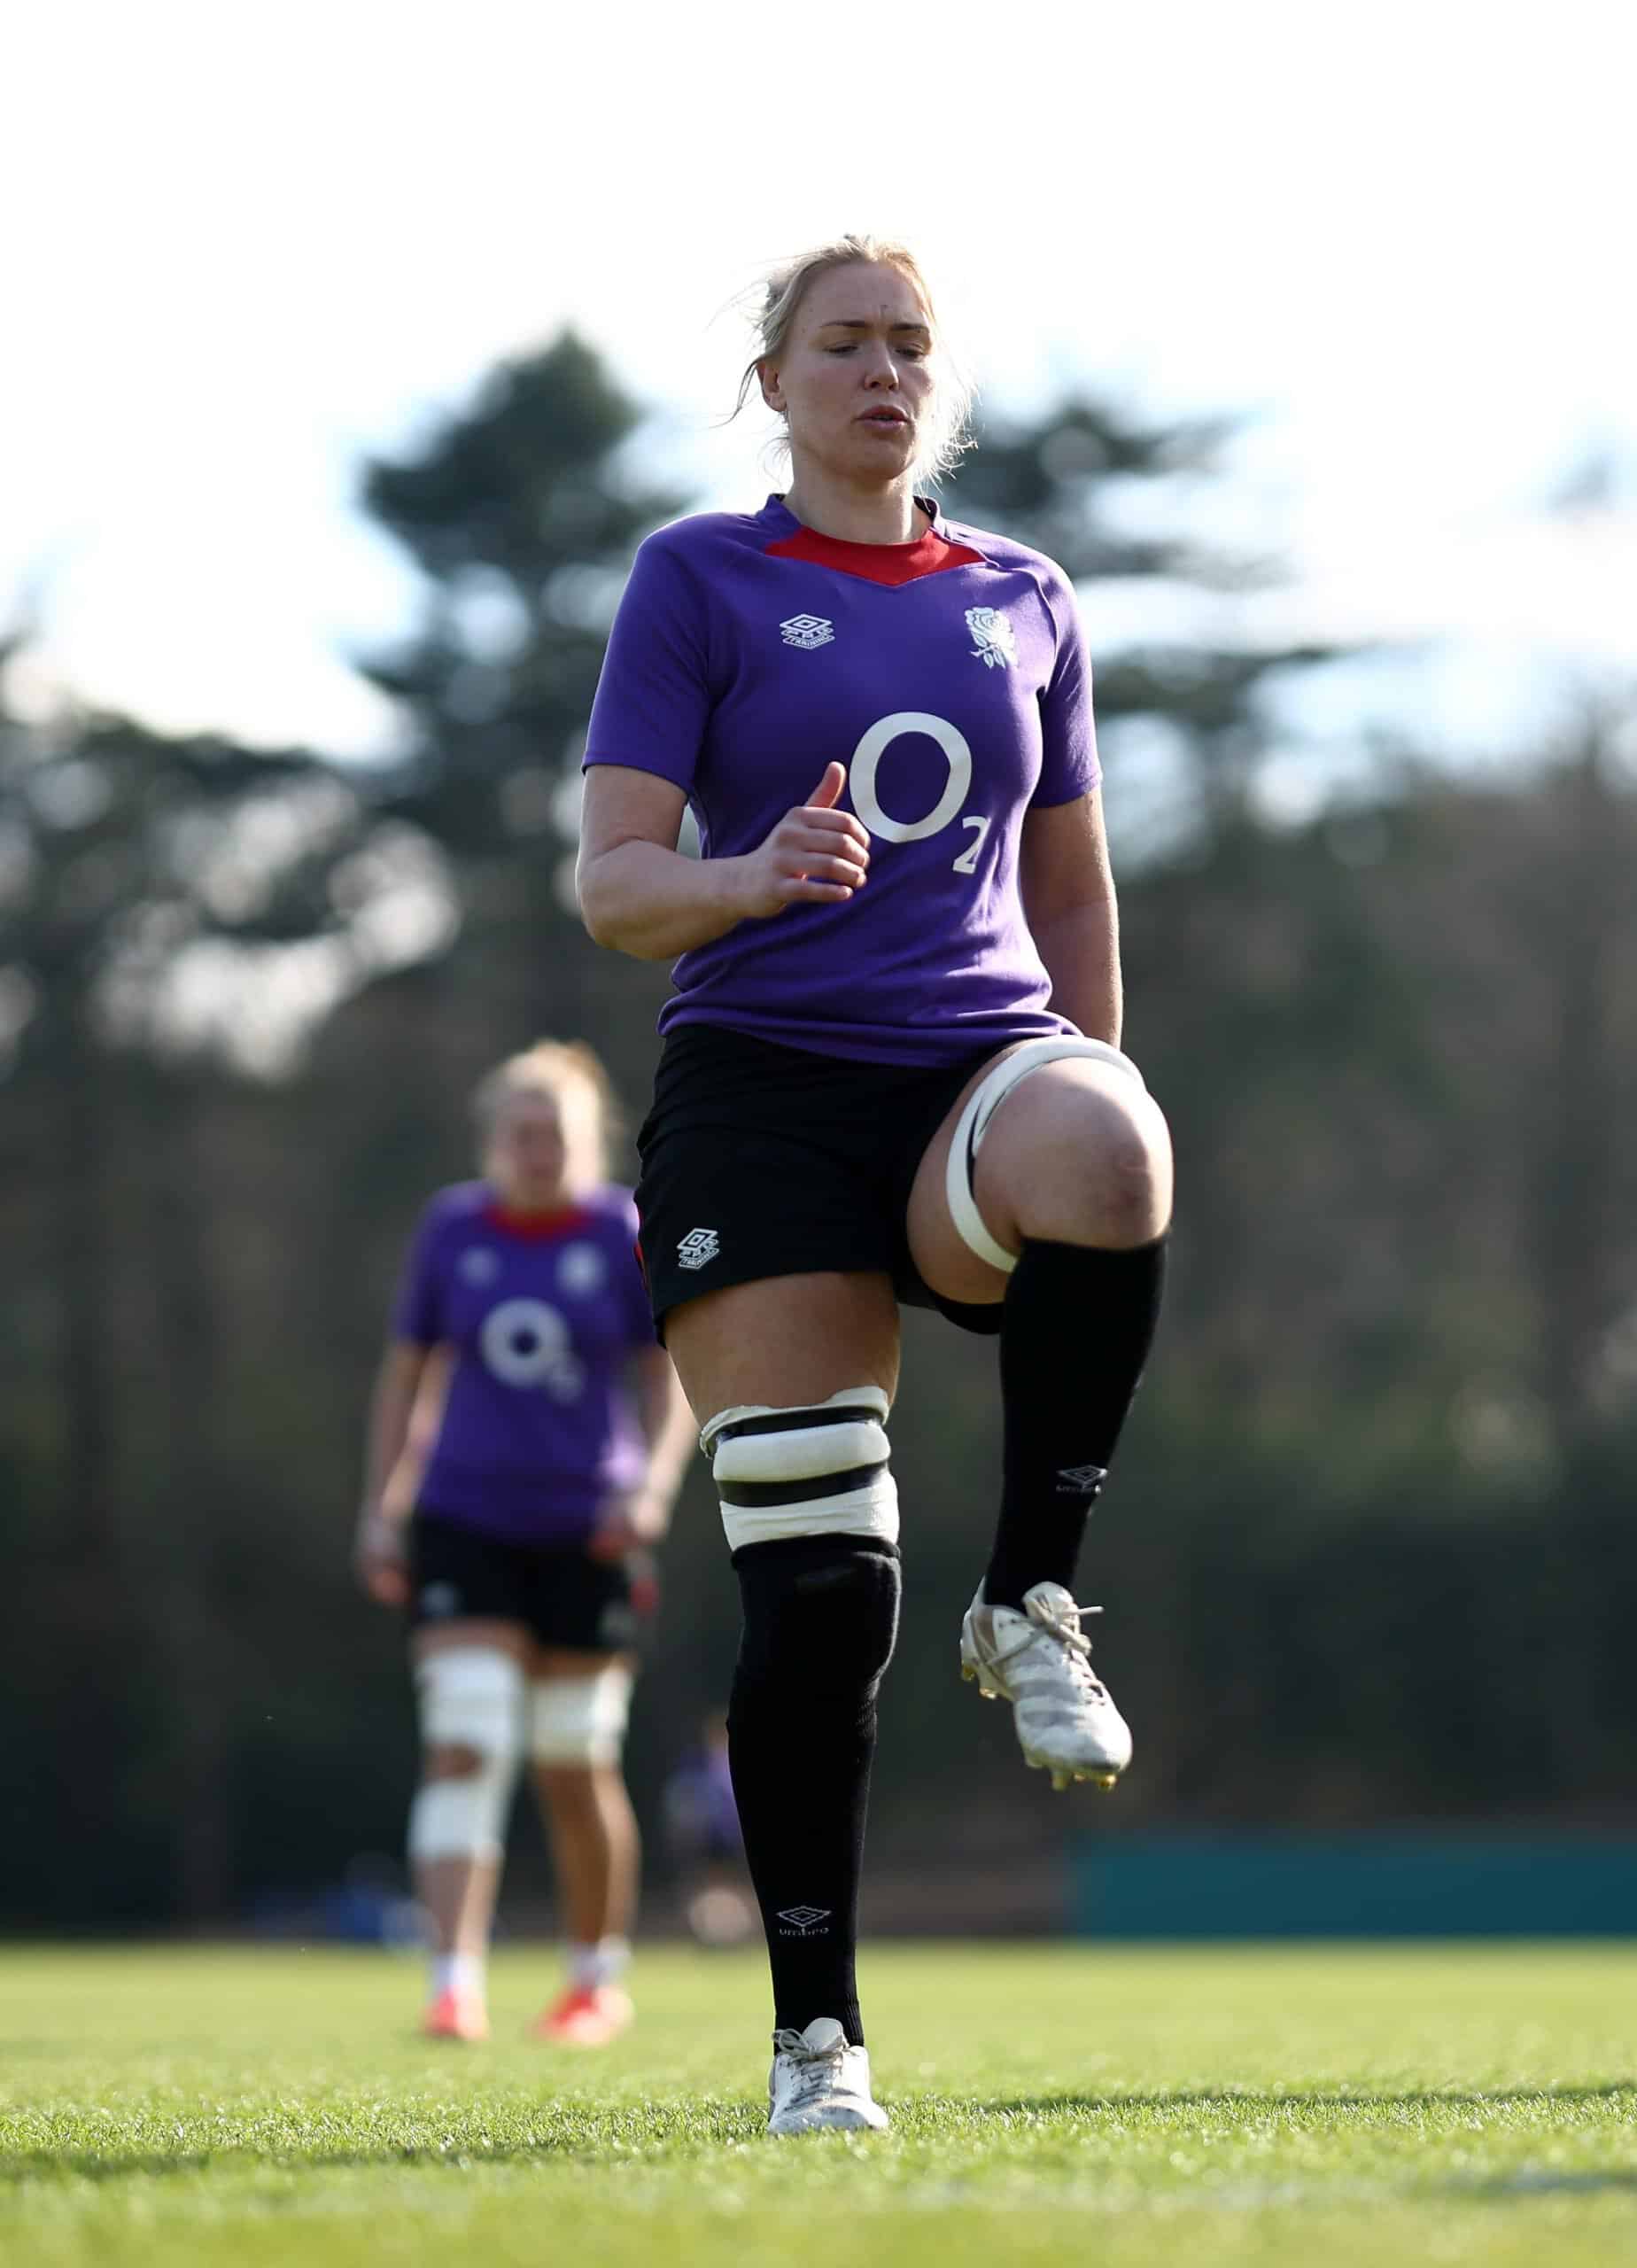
x,y
818,2080
1040,1661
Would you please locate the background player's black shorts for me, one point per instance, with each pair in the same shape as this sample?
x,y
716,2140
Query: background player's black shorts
x,y
759,1160
562,1598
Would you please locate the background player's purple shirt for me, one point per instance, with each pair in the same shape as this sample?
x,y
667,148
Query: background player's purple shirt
x,y
742,659
537,1429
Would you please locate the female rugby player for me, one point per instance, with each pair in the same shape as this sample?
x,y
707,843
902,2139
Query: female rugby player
x,y
891,1072
521,1315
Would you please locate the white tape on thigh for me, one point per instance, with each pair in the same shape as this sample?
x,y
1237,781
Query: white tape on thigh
x,y
982,1104
842,1440
579,1719
471,1697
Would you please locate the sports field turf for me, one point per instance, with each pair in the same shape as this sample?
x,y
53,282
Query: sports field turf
x,y
1075,2104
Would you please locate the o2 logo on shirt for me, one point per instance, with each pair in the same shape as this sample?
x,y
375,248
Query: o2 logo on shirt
x,y
861,776
525,1343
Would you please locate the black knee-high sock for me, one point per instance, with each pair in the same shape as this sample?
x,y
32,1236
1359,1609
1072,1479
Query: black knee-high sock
x,y
1075,1335
821,1614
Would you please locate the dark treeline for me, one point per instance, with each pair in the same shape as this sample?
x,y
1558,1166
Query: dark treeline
x,y
1369,1554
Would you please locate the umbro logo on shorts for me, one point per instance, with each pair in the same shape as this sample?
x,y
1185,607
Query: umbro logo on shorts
x,y
699,1247
807,630
1081,1480
803,1920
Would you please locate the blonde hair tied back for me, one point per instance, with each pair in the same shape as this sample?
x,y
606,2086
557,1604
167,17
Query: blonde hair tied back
x,y
553,1067
773,308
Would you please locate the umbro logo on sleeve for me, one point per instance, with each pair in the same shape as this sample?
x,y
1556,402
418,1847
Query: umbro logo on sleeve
x,y
699,1247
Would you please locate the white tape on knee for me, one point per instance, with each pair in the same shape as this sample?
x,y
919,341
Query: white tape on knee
x,y
580,1720
982,1104
813,1469
471,1697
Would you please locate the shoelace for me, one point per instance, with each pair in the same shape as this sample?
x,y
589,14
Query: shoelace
x,y
816,2067
1064,1627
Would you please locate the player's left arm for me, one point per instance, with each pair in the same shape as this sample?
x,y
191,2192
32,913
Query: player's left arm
x,y
1068,902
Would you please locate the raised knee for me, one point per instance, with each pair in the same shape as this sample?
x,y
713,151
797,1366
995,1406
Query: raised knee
x,y
1106,1176
1082,1157
1134,1172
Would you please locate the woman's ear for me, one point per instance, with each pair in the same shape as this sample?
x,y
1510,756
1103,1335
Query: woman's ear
x,y
772,392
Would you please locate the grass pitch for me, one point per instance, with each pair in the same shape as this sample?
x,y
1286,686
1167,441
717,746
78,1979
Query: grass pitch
x,y
1297,2108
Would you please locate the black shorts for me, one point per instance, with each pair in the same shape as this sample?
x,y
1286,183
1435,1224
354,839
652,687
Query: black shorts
x,y
562,1597
759,1160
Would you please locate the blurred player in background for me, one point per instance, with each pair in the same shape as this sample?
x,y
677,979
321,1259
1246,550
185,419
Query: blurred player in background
x,y
891,1072
515,1482
702,1820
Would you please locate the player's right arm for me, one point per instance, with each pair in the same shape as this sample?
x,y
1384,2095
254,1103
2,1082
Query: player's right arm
x,y
640,895
378,1548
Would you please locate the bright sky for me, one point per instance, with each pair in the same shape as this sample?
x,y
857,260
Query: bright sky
x,y
246,247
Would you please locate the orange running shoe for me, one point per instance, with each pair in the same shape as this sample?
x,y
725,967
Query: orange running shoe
x,y
456,2015
585,2017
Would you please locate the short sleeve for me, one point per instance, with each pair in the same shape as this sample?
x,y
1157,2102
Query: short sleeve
x,y
418,1313
654,697
1068,763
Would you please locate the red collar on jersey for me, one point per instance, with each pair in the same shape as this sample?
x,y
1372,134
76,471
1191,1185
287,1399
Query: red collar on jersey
x,y
536,1228
877,562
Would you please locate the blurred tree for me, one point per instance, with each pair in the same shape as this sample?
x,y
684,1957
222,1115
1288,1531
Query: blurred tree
x,y
1083,483
523,513
173,910
1581,902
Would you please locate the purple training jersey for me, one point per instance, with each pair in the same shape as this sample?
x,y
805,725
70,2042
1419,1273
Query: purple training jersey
x,y
948,675
537,1430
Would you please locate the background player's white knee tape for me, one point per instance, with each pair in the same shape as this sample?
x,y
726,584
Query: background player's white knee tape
x,y
814,1469
471,1697
579,1719
982,1104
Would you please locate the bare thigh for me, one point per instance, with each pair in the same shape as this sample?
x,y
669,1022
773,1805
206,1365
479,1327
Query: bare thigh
x,y
1077,1152
785,1340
